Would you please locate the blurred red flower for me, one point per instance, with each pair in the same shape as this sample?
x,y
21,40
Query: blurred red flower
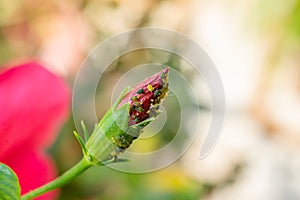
x,y
33,105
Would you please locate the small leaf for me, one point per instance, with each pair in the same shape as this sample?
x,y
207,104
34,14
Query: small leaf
x,y
9,184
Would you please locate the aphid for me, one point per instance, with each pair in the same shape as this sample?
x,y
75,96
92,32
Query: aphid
x,y
134,98
123,141
140,91
140,109
156,93
133,107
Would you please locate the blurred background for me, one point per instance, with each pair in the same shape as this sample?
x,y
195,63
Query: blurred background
x,y
255,46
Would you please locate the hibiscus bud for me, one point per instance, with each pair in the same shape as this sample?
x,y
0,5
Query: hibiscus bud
x,y
145,97
124,122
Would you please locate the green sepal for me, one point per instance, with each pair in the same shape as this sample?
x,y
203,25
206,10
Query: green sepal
x,y
114,124
123,93
115,160
144,123
121,116
9,184
118,115
119,119
86,133
81,142
84,149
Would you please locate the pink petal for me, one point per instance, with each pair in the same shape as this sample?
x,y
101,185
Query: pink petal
x,y
33,104
33,170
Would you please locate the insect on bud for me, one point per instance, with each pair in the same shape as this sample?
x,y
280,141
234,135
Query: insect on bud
x,y
124,122
145,97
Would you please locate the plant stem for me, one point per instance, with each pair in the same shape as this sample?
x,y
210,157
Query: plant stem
x,y
65,178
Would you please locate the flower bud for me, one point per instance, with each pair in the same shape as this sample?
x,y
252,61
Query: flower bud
x,y
145,97
124,122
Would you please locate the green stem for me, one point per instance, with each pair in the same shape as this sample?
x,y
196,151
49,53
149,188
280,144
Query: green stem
x,y
80,167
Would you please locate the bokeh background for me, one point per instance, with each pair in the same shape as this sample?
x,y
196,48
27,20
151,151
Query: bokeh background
x,y
255,47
